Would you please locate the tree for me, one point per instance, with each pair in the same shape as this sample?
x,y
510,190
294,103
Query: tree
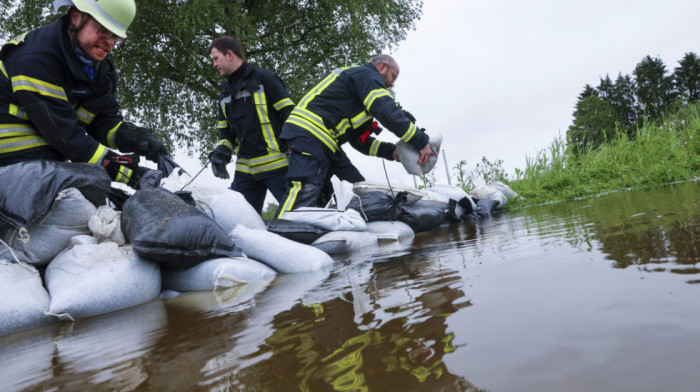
x,y
687,77
655,90
595,121
166,78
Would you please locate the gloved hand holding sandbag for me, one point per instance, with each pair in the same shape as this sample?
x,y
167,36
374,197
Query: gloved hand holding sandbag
x,y
409,156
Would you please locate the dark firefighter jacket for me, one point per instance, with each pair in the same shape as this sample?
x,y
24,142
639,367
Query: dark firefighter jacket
x,y
253,105
345,101
49,106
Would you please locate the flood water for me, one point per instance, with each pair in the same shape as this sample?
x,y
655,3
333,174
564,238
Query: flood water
x,y
599,294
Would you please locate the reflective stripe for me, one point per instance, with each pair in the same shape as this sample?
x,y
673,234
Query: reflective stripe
x,y
124,175
21,143
111,135
261,164
226,143
222,124
84,115
98,155
360,118
261,107
342,126
95,8
9,130
321,134
18,39
319,87
409,133
17,112
291,198
374,148
373,95
36,85
2,68
282,103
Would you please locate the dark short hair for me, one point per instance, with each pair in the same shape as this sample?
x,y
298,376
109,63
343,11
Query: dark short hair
x,y
226,43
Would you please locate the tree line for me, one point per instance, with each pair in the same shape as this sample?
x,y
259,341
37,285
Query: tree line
x,y
620,107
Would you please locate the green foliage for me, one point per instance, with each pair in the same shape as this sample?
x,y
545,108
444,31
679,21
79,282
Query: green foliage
x,y
687,77
595,119
167,80
483,173
428,180
269,211
655,90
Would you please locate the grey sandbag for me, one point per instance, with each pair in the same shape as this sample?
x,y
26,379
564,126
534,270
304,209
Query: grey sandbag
x,y
379,206
409,156
390,231
345,241
24,298
35,185
484,207
165,229
423,218
302,232
219,273
67,218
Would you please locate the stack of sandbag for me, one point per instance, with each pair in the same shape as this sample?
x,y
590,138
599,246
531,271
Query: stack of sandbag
x,y
24,298
165,229
496,191
91,278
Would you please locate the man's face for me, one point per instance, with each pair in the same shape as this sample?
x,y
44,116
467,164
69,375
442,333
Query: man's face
x,y
224,63
389,74
95,40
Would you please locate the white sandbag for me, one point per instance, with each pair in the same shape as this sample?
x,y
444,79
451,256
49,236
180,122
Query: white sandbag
x,y
345,241
332,220
505,189
452,192
409,156
491,193
390,230
216,274
68,217
88,279
228,209
105,225
24,298
412,194
281,254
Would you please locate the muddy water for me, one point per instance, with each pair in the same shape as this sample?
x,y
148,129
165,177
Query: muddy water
x,y
598,294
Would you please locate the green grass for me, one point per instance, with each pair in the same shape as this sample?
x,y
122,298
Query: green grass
x,y
658,154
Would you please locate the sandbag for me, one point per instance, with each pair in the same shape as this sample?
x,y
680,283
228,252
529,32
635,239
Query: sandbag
x,y
216,274
229,209
390,230
345,241
24,298
454,209
409,156
303,232
423,218
378,206
67,217
164,229
412,194
485,207
331,220
454,193
281,254
106,225
497,191
89,279
35,185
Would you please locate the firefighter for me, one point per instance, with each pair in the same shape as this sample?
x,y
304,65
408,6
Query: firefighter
x,y
57,93
330,114
253,105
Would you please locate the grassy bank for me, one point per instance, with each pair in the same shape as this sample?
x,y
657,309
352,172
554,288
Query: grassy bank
x,y
660,153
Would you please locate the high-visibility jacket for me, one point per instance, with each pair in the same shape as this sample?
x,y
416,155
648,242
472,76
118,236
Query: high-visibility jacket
x,y
253,105
344,101
50,108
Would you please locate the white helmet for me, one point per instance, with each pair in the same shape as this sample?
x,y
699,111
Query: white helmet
x,y
114,15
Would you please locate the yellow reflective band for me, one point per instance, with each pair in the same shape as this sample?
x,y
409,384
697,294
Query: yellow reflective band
x,y
124,175
31,84
409,133
291,199
8,130
98,155
265,125
282,103
310,116
84,115
223,110
18,39
21,143
374,148
222,124
111,135
360,118
320,134
17,112
319,88
261,164
373,95
2,68
225,142
342,126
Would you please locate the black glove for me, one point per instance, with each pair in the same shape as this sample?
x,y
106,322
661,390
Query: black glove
x,y
146,143
219,158
409,115
123,168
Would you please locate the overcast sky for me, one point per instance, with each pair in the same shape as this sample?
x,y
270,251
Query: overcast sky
x,y
500,78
